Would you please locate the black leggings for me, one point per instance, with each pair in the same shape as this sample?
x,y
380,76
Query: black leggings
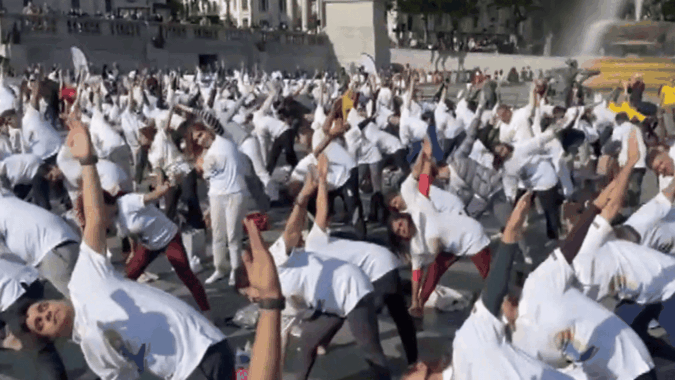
x,y
217,363
362,322
550,201
349,192
651,375
389,292
284,142
187,192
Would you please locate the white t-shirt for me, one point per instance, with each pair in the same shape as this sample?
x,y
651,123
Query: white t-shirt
x,y
446,125
518,129
327,284
268,126
175,337
443,201
606,266
338,174
374,260
113,178
131,126
481,351
453,234
153,229
164,155
104,138
20,169
550,305
649,217
38,136
223,169
12,275
30,231
5,147
411,128
622,134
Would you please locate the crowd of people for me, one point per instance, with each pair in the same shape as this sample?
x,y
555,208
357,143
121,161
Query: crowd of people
x,y
298,143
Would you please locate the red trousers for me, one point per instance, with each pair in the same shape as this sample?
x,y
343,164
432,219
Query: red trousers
x,y
175,252
444,261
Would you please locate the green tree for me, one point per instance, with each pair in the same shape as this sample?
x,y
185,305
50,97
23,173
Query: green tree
x,y
456,9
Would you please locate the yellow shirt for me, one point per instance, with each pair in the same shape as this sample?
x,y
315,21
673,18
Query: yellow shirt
x,y
625,107
347,104
668,95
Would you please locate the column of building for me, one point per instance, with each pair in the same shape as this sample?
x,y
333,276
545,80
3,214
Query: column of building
x,y
290,13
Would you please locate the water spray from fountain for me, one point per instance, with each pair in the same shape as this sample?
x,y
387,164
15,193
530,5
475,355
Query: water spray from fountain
x,y
605,14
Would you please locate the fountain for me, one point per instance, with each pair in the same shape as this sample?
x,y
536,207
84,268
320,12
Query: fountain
x,y
628,47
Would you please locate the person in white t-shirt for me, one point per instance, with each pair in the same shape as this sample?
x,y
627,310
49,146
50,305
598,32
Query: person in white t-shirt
x,y
21,287
125,328
562,327
27,173
380,264
280,135
219,162
481,349
621,134
42,240
338,291
435,240
638,277
527,166
152,233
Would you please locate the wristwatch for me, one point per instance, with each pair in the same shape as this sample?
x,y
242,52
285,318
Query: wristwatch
x,y
272,303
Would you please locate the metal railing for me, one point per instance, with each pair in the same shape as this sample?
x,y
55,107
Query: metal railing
x,y
49,24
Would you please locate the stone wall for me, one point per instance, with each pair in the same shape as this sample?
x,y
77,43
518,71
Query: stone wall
x,y
430,60
48,40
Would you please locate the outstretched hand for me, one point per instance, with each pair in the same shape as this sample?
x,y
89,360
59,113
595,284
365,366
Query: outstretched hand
x,y
260,268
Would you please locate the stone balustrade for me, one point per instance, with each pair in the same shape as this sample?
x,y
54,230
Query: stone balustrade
x,y
47,24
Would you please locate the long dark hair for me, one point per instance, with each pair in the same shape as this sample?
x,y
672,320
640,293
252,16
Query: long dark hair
x,y
498,161
192,149
397,244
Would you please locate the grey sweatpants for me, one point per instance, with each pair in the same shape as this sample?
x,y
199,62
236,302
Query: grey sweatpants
x,y
57,266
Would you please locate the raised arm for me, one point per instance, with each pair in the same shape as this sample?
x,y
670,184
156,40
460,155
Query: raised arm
x,y
295,223
321,218
497,281
263,277
81,148
607,204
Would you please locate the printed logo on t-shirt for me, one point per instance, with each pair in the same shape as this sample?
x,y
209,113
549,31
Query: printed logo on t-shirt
x,y
126,350
242,374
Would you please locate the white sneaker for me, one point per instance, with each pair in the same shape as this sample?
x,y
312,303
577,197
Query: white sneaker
x,y
196,265
231,282
216,276
147,277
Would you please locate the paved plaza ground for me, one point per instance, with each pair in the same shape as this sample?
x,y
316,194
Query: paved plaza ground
x,y
343,360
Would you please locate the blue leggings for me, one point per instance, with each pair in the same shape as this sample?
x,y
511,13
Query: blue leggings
x,y
416,147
